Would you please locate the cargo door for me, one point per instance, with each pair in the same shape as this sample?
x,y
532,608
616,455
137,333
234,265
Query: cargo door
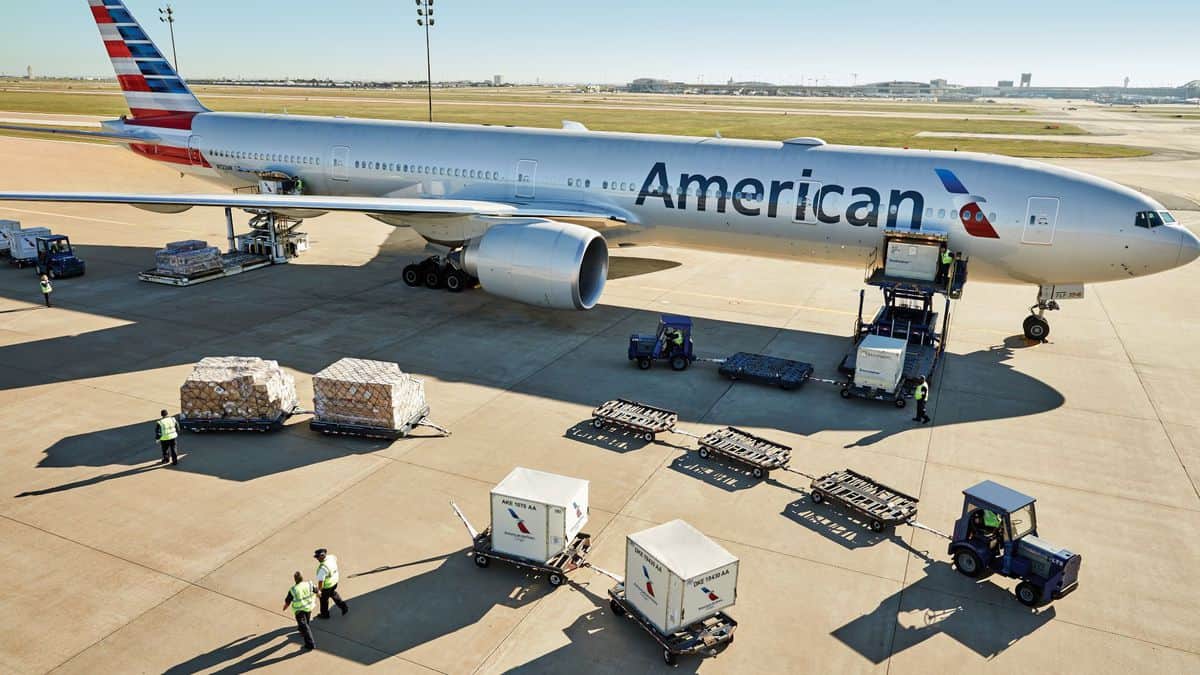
x,y
339,163
646,585
526,178
194,155
555,531
675,598
804,202
1040,219
708,594
577,512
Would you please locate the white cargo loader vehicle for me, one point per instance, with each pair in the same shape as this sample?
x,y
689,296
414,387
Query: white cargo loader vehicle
x,y
879,370
23,245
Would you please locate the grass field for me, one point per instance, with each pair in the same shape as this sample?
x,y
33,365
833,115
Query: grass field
x,y
637,114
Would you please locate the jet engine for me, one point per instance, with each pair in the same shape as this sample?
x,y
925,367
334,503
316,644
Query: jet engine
x,y
539,262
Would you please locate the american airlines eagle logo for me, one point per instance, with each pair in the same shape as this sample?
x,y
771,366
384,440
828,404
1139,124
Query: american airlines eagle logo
x,y
578,511
969,210
520,522
713,597
649,586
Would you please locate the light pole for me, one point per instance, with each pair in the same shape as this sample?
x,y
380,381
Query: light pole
x,y
167,16
425,18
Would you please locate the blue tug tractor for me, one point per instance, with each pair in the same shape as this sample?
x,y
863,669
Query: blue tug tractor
x,y
56,259
672,342
997,533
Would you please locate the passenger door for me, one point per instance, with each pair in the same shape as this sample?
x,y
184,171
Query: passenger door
x,y
804,207
525,180
1040,219
194,154
339,163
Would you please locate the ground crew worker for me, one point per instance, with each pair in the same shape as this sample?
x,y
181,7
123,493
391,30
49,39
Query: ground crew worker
x,y
166,430
947,261
47,289
674,340
327,581
302,598
921,395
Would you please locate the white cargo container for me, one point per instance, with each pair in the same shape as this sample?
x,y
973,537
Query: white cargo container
x,y
675,576
912,261
535,514
23,243
880,362
7,227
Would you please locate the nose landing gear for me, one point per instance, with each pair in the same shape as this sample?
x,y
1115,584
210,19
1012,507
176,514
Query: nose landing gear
x,y
1035,326
436,272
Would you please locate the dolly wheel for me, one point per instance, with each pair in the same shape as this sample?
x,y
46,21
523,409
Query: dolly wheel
x,y
899,401
481,560
617,610
649,437
844,393
703,452
555,579
817,496
598,423
757,472
668,657
1028,593
968,563
875,525
412,275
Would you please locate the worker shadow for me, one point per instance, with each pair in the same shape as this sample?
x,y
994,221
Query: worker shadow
x,y
918,613
716,471
606,438
421,609
598,641
249,652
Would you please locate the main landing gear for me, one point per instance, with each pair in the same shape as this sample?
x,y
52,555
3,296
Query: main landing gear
x,y
435,272
1036,327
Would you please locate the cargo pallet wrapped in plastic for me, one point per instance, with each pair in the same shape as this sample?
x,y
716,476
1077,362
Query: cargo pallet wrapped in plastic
x,y
236,393
360,397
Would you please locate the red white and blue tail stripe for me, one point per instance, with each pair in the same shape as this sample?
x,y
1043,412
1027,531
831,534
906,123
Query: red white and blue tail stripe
x,y
156,95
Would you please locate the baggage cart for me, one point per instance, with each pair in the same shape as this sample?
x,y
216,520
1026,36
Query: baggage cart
x,y
363,431
555,570
644,420
785,373
703,638
760,454
878,505
262,425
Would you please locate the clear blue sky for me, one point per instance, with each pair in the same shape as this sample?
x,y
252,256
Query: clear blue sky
x,y
1060,41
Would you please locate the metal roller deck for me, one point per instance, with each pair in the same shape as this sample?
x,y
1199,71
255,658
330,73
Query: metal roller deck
x,y
878,505
760,454
642,419
785,373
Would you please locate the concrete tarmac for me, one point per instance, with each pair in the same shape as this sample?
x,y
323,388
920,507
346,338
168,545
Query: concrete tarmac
x,y
114,563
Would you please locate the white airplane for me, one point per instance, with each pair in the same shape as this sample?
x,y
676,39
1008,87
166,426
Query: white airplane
x,y
504,205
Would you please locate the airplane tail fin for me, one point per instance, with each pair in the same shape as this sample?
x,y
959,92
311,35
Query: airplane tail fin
x,y
156,95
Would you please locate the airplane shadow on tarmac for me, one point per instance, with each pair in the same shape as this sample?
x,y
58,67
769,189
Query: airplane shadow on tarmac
x,y
307,316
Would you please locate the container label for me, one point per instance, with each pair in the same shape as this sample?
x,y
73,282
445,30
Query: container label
x,y
517,520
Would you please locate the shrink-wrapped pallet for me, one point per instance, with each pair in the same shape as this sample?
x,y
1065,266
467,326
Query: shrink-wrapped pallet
x,y
187,258
368,393
237,387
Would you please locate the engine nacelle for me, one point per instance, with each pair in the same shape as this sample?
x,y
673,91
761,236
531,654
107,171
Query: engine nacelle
x,y
540,262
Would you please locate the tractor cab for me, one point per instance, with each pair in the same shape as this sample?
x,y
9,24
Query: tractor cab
x,y
997,532
56,258
672,342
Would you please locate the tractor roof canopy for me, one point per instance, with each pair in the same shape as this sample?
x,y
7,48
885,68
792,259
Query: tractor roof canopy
x,y
676,321
1004,499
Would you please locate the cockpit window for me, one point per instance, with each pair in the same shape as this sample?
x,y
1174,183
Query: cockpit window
x,y
1166,216
1148,219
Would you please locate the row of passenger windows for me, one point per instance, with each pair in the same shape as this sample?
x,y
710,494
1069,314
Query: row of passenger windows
x,y
428,170
311,160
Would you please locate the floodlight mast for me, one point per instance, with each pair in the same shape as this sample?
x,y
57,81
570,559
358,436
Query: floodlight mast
x,y
425,18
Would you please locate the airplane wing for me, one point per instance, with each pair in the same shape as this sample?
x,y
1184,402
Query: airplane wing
x,y
387,209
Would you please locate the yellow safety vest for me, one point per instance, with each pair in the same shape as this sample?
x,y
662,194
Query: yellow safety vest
x,y
168,429
922,392
46,287
304,597
331,571
947,258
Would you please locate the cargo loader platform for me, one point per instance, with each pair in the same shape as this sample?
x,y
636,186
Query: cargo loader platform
x,y
556,569
878,505
363,431
644,420
704,638
262,425
760,454
232,264
763,369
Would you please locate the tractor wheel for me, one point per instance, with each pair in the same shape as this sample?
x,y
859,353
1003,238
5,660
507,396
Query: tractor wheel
x,y
968,563
679,362
1028,594
412,275
643,363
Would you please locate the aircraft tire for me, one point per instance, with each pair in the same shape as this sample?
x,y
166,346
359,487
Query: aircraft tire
x,y
1036,328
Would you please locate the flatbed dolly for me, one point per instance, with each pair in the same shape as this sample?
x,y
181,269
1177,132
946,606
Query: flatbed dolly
x,y
756,452
785,373
703,637
363,431
644,420
555,569
200,425
879,506
232,264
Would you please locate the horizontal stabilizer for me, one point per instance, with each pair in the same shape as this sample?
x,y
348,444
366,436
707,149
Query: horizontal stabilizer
x,y
129,137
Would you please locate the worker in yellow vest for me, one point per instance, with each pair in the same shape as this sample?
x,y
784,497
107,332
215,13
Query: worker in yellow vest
x,y
327,581
47,289
166,430
921,396
302,598
947,260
